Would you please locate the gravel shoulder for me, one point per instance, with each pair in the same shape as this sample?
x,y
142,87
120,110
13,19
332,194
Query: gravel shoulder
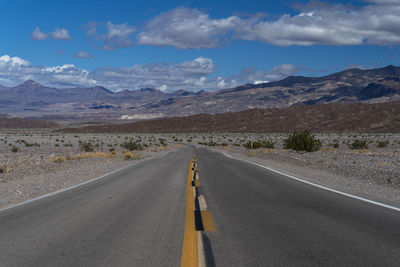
x,y
370,174
37,170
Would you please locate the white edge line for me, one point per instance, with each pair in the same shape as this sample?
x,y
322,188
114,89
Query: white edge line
x,y
317,185
77,185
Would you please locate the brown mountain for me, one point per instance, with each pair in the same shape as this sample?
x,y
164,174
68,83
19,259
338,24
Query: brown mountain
x,y
335,117
26,123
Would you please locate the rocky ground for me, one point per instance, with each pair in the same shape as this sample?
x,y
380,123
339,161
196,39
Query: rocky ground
x,y
372,172
36,162
33,163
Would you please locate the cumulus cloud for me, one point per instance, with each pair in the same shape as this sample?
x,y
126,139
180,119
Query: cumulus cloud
x,y
61,34
37,34
57,34
186,28
252,75
14,70
329,25
159,75
7,61
384,2
314,24
108,35
192,75
83,54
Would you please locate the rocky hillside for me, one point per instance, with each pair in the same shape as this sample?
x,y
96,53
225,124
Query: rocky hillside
x,y
6,123
353,85
97,103
336,117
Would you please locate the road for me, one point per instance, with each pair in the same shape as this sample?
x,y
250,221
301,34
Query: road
x,y
136,217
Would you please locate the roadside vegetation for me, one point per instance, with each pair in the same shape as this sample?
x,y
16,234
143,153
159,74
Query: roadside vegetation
x,y
359,144
304,141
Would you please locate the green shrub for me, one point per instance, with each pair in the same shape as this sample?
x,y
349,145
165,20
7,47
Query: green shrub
x,y
259,144
359,144
304,141
86,146
268,144
132,145
15,149
211,143
383,143
163,142
336,145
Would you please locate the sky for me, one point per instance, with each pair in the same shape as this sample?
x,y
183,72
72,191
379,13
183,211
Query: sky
x,y
191,45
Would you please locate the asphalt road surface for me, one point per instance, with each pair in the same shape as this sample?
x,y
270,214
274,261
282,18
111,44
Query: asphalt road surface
x,y
136,217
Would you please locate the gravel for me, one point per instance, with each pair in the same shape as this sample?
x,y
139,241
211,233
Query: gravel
x,y
35,170
372,174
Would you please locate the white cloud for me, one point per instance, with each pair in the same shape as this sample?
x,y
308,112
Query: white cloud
x,y
57,34
183,75
186,28
6,60
163,88
109,35
259,82
37,34
61,34
384,2
14,70
83,54
324,24
314,24
252,75
221,83
192,75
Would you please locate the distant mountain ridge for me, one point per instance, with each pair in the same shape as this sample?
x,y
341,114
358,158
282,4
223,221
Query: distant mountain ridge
x,y
97,103
334,117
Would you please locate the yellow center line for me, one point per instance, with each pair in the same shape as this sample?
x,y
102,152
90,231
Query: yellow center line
x,y
189,251
192,250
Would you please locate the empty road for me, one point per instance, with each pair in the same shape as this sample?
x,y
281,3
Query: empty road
x,y
136,217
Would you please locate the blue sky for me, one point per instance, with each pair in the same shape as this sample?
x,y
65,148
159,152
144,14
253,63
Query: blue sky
x,y
191,44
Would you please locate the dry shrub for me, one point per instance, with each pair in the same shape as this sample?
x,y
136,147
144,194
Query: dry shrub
x,y
58,159
363,151
92,155
382,164
250,153
4,168
129,156
329,149
267,151
96,155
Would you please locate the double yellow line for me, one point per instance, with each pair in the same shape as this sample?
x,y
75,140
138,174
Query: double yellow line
x,y
192,238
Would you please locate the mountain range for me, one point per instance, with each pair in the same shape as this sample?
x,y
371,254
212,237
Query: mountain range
x,y
32,99
334,117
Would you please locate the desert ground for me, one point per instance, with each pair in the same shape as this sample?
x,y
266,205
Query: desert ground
x,y
36,162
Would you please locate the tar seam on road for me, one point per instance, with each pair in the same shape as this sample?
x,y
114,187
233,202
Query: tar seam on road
x,y
317,185
75,186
